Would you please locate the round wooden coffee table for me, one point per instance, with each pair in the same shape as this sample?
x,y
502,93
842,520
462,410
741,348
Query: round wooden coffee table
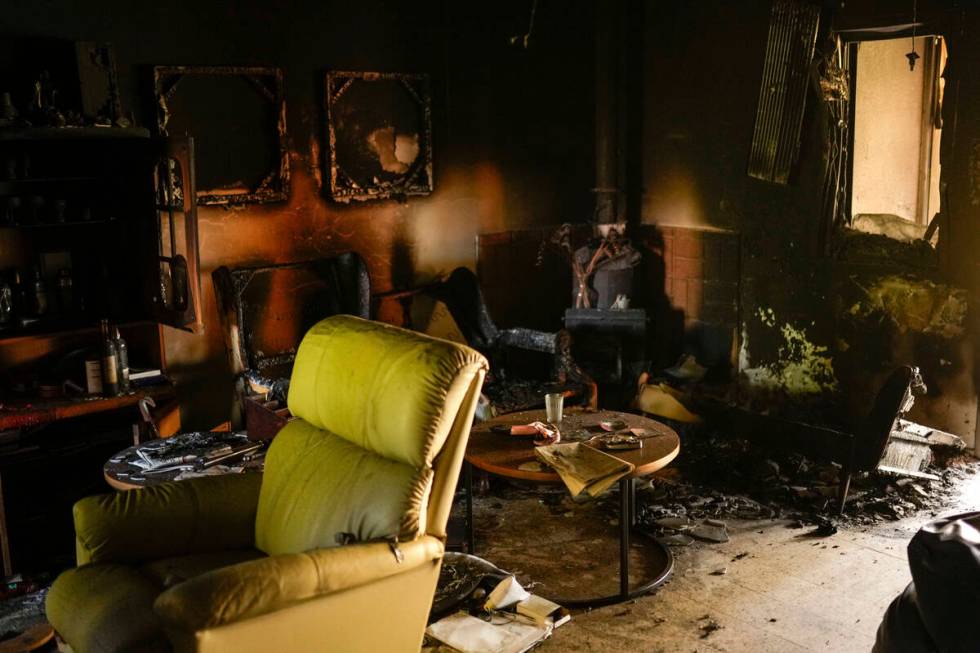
x,y
513,457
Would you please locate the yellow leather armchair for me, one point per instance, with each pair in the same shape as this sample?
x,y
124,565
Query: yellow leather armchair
x,y
335,547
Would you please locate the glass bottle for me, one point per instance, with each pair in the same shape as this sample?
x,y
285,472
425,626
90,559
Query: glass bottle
x,y
66,299
20,304
122,356
6,303
40,294
110,363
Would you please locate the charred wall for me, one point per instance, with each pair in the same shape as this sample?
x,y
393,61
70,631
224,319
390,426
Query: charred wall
x,y
512,131
819,328
513,138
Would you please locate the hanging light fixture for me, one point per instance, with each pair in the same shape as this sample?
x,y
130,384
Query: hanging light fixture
x,y
913,56
524,40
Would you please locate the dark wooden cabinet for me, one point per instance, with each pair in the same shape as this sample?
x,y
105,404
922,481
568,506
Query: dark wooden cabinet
x,y
108,212
96,223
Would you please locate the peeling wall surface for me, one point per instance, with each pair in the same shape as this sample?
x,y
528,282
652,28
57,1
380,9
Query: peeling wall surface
x,y
821,323
504,157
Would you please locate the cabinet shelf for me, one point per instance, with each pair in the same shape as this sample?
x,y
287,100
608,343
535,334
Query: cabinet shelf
x,y
48,186
71,133
61,225
78,326
23,413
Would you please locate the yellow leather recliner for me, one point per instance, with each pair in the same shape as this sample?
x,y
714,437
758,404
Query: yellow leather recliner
x,y
336,547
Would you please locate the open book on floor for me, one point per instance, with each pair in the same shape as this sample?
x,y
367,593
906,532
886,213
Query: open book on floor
x,y
583,468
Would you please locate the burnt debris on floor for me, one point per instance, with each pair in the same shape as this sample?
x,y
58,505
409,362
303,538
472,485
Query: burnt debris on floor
x,y
719,476
22,605
756,465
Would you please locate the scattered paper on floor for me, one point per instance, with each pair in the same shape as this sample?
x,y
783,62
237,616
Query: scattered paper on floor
x,y
506,634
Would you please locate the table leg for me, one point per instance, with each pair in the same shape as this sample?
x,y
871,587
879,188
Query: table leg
x,y
632,495
625,526
8,567
468,480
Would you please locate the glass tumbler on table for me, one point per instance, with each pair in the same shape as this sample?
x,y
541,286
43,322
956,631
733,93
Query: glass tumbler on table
x,y
553,404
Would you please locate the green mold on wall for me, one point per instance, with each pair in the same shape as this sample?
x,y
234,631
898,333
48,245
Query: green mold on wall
x,y
801,367
915,305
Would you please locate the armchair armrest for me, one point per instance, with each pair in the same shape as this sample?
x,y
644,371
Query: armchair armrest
x,y
257,587
530,339
211,513
558,343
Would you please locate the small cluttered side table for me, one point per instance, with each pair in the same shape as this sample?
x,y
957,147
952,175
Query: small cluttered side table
x,y
184,456
494,450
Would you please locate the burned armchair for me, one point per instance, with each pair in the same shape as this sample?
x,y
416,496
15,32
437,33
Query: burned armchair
x,y
884,441
266,310
525,364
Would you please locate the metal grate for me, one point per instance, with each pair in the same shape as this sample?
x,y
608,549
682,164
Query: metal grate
x,y
782,95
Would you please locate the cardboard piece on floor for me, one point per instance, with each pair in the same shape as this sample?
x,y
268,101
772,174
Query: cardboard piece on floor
x,y
505,634
543,611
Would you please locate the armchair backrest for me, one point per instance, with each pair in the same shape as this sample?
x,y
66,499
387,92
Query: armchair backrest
x,y
266,310
461,294
383,415
874,433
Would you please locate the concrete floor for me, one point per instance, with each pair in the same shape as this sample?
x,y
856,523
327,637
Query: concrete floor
x,y
790,593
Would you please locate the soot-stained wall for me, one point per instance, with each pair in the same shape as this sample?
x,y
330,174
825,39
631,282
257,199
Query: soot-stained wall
x,y
512,131
816,329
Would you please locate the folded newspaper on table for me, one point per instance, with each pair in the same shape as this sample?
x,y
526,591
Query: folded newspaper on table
x,y
583,468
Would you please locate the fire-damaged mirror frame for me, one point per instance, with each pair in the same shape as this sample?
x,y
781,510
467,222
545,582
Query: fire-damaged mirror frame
x,y
417,179
268,81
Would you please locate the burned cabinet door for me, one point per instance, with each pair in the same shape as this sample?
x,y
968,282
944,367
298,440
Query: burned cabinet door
x,y
176,293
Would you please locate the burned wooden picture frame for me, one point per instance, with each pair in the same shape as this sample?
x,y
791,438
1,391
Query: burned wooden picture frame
x,y
380,135
237,116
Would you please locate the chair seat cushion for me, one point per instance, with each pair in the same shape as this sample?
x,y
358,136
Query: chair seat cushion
x,y
108,608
